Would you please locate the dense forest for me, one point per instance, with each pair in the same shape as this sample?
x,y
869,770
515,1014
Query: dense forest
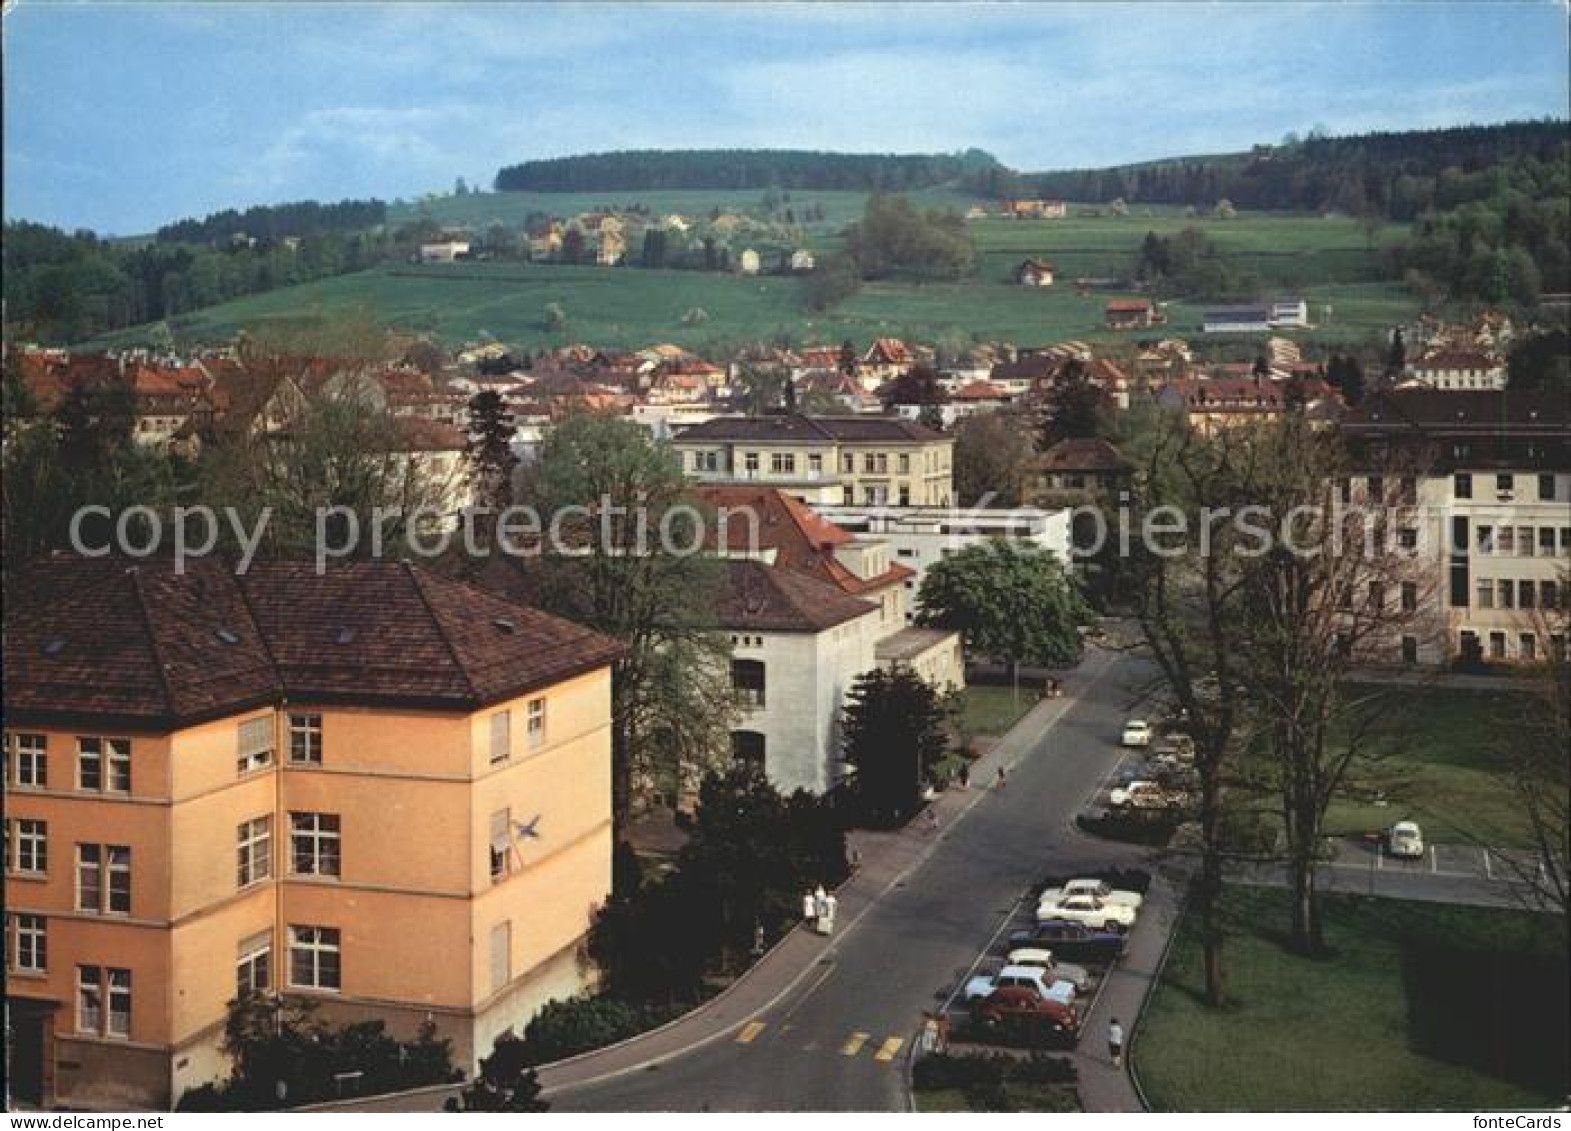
x,y
631,170
65,287
276,221
1399,175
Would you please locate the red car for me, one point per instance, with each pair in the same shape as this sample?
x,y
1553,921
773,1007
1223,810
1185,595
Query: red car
x,y
1021,1010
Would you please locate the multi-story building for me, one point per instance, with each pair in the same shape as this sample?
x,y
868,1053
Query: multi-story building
x,y
809,608
1456,369
843,460
379,789
920,536
1489,475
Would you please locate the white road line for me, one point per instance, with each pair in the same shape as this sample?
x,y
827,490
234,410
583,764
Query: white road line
x,y
1434,859
986,950
1488,871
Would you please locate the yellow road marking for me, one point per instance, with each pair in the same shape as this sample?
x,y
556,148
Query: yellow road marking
x,y
749,1031
887,1050
854,1045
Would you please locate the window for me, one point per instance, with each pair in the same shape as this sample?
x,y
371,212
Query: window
x,y
1410,649
103,765
1377,487
29,756
747,749
1507,593
103,879
1506,543
848,463
29,949
1407,491
501,736
1546,488
1524,541
815,463
501,845
95,984
254,964
256,744
254,850
30,855
1497,645
1505,483
501,955
1407,538
315,844
1565,540
782,463
747,679
1486,539
750,461
534,723
1409,596
1549,594
314,958
1377,595
905,463
1462,485
1524,594
1527,647
305,740
1546,541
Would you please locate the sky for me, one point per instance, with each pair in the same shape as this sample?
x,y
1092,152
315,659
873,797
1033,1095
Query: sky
x,y
120,117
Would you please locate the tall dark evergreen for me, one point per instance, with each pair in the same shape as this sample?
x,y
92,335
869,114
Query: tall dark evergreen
x,y
490,450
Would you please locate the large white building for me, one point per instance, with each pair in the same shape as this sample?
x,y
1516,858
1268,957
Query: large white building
x,y
920,536
1489,480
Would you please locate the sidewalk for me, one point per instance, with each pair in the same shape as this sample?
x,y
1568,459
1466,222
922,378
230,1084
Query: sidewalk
x,y
883,859
1103,1087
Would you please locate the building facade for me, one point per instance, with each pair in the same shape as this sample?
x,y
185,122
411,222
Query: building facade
x,y
823,459
378,789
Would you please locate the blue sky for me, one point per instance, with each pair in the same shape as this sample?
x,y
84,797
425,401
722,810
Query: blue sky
x,y
123,116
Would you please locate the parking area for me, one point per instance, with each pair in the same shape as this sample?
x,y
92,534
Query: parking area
x,y
974,1018
1461,861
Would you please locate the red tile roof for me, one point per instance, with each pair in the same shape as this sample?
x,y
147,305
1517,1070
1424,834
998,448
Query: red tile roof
x,y
142,644
762,598
1082,455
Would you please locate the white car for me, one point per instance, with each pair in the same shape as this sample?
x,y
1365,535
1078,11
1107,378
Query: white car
x,y
1145,795
1137,732
1043,960
1405,839
1042,981
1088,909
1098,889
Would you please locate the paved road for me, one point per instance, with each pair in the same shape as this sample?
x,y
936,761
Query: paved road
x,y
837,1042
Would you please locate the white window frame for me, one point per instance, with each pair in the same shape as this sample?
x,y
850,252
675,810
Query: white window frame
x,y
535,722
254,743
305,738
254,850
29,934
110,863
316,832
499,845
110,759
28,755
252,955
29,856
315,943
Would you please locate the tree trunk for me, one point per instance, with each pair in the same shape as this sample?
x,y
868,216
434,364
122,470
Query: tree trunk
x,y
1208,888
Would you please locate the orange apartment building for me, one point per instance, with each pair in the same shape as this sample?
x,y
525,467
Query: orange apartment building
x,y
380,788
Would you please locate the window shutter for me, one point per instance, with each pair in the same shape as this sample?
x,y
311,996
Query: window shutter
x,y
256,737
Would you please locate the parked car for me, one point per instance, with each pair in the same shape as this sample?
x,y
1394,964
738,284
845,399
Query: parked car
x,y
1021,1009
1089,910
1137,732
1146,794
1072,940
1043,959
1099,889
1040,981
1406,840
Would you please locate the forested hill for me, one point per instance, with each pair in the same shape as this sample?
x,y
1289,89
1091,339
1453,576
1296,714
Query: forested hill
x,y
276,221
1399,175
629,170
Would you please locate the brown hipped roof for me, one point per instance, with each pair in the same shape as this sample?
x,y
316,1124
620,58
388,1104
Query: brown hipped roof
x,y
140,643
761,598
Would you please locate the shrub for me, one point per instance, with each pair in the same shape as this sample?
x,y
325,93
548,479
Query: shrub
x,y
568,1027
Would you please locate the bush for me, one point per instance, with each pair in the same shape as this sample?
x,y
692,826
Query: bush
x,y
568,1027
990,1081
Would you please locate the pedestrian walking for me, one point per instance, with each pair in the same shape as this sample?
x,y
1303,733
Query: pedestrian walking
x,y
1115,1043
965,776
809,909
1003,777
932,819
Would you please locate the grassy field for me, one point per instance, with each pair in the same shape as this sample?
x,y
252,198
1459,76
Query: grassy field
x,y
1420,1007
1438,762
991,710
1330,261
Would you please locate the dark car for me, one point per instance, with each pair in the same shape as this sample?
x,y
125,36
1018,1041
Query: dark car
x,y
1072,942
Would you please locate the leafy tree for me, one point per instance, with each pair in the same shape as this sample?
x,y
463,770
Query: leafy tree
x,y
573,246
918,385
1541,361
1076,409
623,570
1345,374
654,252
992,452
1008,602
507,1081
555,317
836,280
894,239
1396,357
893,734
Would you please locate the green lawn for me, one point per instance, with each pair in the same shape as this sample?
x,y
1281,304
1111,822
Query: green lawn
x,y
1421,1007
991,710
1438,761
1328,261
